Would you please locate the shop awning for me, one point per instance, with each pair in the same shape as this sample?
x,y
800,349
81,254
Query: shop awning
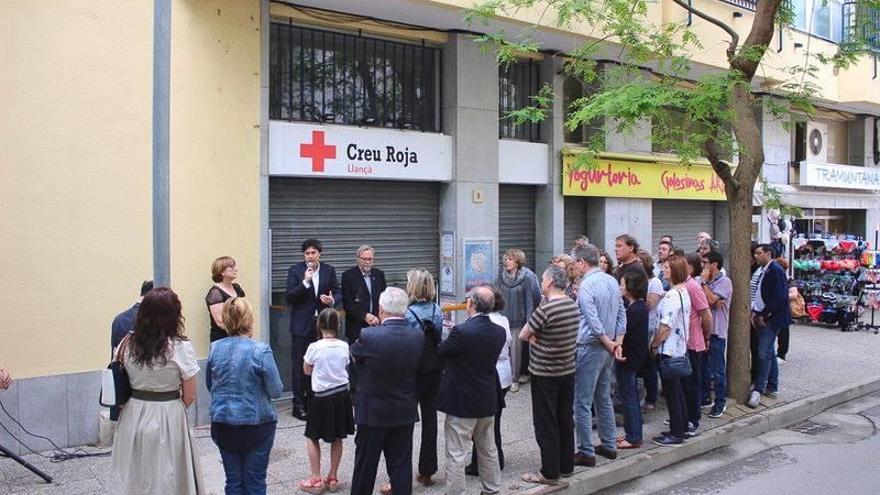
x,y
810,198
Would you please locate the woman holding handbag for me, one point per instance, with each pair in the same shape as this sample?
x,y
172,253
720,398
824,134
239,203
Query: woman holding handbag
x,y
152,447
670,344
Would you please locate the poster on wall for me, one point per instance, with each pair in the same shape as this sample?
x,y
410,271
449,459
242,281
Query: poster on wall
x,y
479,262
448,316
447,259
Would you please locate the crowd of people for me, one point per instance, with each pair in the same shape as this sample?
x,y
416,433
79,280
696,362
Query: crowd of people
x,y
583,333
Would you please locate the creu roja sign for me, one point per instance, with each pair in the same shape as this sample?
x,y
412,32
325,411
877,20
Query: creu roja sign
x,y
617,178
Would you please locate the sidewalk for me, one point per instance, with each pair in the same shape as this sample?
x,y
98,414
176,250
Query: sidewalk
x,y
820,360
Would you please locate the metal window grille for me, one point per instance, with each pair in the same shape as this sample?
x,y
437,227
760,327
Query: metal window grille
x,y
517,82
746,4
325,76
862,23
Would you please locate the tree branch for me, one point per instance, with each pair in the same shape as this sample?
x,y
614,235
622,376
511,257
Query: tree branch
x,y
721,167
760,35
734,36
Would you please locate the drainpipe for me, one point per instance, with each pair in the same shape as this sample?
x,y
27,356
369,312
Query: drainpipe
x,y
161,166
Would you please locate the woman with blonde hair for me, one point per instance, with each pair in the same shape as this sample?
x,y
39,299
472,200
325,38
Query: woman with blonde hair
x,y
152,446
224,271
243,379
567,263
422,309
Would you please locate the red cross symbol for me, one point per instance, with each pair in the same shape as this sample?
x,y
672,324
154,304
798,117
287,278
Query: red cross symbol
x,y
317,151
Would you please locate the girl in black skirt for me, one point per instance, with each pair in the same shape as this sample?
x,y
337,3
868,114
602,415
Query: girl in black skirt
x,y
330,411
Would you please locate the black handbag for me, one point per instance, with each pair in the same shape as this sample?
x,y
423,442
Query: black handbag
x,y
676,367
115,385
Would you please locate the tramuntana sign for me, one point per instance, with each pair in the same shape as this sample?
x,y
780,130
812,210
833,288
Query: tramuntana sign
x,y
839,176
306,150
632,179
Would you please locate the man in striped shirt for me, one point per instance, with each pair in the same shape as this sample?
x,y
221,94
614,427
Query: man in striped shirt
x,y
552,331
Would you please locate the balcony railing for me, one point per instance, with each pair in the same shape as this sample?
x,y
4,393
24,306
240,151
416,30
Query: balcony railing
x,y
861,22
746,4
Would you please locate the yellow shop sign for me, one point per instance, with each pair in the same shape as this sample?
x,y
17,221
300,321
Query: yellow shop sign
x,y
633,179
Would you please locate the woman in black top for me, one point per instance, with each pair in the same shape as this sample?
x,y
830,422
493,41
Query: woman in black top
x,y
634,287
223,271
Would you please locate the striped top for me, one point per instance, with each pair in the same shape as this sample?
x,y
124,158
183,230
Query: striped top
x,y
555,324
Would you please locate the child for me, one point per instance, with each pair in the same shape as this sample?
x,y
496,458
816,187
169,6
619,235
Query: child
x,y
330,410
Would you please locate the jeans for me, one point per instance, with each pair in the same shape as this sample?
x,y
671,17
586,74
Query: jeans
x,y
693,387
593,388
552,402
718,370
768,369
628,391
246,473
648,373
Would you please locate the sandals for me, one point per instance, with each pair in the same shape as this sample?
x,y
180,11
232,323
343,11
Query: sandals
x,y
331,483
623,443
385,489
313,485
538,479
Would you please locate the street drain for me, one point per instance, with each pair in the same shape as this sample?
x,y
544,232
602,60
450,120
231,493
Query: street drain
x,y
808,427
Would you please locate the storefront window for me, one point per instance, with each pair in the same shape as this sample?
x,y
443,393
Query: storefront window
x,y
517,83
324,76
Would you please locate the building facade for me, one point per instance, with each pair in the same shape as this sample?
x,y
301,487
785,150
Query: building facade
x,y
351,121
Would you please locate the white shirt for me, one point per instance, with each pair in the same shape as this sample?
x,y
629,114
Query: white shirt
x,y
655,286
758,280
329,357
315,283
503,367
675,313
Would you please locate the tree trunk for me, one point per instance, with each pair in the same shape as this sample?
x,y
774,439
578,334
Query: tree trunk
x,y
739,262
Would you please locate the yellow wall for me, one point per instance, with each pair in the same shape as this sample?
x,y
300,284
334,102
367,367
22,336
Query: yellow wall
x,y
215,150
74,177
75,168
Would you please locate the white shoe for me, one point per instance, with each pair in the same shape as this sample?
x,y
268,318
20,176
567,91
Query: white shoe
x,y
514,387
779,360
754,399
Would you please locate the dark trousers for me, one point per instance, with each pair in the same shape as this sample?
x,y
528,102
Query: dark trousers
x,y
301,383
672,390
753,347
525,359
552,404
693,386
782,342
502,393
649,375
628,392
426,390
395,442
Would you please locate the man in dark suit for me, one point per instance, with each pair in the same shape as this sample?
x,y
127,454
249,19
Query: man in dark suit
x,y
770,313
468,393
361,286
124,322
386,358
311,287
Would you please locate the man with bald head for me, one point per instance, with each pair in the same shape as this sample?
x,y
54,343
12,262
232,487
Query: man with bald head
x,y
468,393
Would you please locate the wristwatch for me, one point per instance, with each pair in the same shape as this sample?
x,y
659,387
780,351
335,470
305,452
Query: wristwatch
x,y
704,283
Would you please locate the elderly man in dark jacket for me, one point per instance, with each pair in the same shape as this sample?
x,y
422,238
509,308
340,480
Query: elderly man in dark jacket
x,y
387,359
468,393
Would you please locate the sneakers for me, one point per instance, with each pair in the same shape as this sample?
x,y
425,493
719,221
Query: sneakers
x,y
514,387
774,394
667,440
691,431
780,360
523,379
754,399
717,412
707,404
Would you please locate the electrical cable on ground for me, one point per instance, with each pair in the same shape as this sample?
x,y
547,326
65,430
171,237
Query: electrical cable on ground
x,y
58,454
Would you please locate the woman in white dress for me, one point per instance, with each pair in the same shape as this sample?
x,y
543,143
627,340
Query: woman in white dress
x,y
152,447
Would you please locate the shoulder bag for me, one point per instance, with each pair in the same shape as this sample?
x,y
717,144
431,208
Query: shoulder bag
x,y
115,386
679,366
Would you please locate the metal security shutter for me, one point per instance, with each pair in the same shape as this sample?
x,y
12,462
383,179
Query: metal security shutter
x,y
516,220
574,220
683,220
399,219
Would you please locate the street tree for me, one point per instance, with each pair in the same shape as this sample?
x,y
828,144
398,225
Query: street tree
x,y
698,113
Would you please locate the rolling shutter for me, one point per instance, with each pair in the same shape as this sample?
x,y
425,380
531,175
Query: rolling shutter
x,y
683,220
516,220
399,219
574,220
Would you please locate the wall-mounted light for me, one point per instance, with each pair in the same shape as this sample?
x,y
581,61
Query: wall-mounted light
x,y
737,15
798,45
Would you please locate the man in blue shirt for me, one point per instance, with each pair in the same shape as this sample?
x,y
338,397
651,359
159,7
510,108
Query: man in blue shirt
x,y
124,322
602,326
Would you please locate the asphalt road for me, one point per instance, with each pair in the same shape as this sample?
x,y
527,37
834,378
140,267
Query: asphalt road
x,y
836,452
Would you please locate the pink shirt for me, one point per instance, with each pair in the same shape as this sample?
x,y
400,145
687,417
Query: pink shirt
x,y
696,342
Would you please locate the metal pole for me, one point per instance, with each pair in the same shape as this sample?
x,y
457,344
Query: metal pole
x,y
161,168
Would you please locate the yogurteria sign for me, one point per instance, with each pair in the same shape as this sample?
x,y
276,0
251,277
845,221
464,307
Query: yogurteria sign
x,y
306,150
626,179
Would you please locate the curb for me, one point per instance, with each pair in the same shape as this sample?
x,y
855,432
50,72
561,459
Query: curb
x,y
773,418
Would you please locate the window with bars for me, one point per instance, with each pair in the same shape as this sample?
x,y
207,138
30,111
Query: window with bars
x,y
325,76
517,82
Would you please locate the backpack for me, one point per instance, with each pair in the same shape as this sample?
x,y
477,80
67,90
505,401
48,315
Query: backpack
x,y
430,362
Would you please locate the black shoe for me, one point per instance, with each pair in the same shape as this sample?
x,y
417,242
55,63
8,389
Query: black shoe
x,y
667,440
584,460
606,452
299,413
471,470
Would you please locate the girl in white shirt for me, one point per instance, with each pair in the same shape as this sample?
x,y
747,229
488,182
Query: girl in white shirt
x,y
330,409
